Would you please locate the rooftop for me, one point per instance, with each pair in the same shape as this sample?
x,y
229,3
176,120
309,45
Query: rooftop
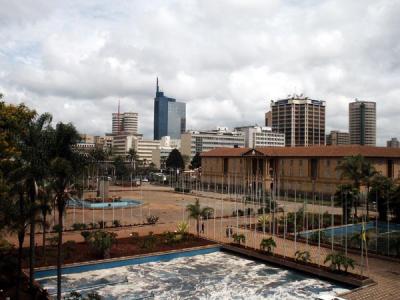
x,y
313,151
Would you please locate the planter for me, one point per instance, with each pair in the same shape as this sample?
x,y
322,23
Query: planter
x,y
352,279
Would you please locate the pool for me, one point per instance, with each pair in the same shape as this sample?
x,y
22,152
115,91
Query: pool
x,y
117,204
352,229
202,274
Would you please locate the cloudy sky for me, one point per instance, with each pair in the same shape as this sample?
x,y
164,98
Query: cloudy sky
x,y
225,58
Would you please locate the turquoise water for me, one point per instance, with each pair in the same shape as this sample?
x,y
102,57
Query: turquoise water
x,y
213,275
117,204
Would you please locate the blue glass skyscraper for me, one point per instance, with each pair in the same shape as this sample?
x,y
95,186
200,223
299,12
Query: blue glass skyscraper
x,y
169,116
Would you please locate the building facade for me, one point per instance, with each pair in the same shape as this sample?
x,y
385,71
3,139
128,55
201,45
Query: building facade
x,y
268,119
193,142
143,147
362,123
393,143
283,170
169,116
301,119
126,123
338,138
256,136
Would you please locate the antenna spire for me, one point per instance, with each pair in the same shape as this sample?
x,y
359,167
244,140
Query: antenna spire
x,y
158,90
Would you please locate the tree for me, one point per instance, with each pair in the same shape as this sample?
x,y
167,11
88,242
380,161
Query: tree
x,y
175,160
345,196
132,157
382,191
45,197
34,146
351,167
368,173
120,167
64,166
196,161
196,212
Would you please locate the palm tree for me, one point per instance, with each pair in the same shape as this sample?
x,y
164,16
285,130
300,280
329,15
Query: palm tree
x,y
351,167
345,196
34,165
132,157
196,212
45,200
65,165
368,173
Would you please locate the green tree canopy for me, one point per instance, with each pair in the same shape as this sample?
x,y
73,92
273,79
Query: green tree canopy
x,y
196,161
175,160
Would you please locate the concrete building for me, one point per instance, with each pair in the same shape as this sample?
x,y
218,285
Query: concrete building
x,y
301,119
125,123
257,136
310,170
169,116
143,147
200,141
362,123
393,143
268,119
337,138
160,155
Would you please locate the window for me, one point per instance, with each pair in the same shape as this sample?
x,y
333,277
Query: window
x,y
226,165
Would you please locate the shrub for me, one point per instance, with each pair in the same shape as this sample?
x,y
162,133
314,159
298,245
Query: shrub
x,y
57,228
149,241
79,226
117,223
102,224
182,190
302,256
183,229
93,225
152,220
337,260
239,238
134,236
267,245
85,235
101,242
69,248
53,241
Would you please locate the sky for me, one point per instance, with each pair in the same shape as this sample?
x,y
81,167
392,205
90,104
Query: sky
x,y
227,59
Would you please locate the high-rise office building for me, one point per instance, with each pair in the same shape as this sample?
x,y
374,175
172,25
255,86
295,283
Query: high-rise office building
x,y
362,123
125,123
268,119
337,138
169,116
301,119
393,143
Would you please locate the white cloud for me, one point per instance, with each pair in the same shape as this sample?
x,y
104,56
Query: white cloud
x,y
226,59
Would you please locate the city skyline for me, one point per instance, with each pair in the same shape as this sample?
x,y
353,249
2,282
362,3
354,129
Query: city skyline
x,y
329,56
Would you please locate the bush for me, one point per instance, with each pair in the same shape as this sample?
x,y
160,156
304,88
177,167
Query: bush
x,y
239,238
302,256
149,241
93,225
79,226
57,228
102,224
337,260
53,241
85,235
69,248
117,223
101,242
134,236
182,190
152,220
267,245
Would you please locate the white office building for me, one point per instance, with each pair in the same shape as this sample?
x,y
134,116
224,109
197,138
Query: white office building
x,y
257,136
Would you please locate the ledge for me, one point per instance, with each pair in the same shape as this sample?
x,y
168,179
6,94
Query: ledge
x,y
312,269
